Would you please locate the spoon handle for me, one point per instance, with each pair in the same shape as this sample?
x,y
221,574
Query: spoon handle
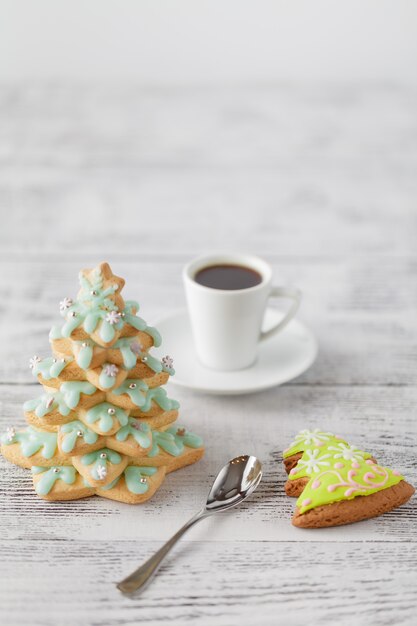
x,y
144,574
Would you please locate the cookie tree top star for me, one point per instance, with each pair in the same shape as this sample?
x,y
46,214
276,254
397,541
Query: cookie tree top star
x,y
104,424
99,312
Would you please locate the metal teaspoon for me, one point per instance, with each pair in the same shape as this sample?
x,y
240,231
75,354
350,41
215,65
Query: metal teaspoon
x,y
234,483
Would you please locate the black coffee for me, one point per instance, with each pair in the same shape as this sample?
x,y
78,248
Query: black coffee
x,y
228,277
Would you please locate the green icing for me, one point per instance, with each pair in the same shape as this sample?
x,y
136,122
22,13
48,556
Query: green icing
x,y
32,441
131,317
55,333
50,475
50,367
101,412
85,354
346,480
133,388
144,400
137,322
92,318
157,339
48,402
185,436
131,352
129,355
107,330
99,461
159,395
314,460
94,306
173,441
108,375
73,431
66,399
72,391
140,431
164,441
153,363
309,440
135,478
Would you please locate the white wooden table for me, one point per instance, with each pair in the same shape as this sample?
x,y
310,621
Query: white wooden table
x,y
321,182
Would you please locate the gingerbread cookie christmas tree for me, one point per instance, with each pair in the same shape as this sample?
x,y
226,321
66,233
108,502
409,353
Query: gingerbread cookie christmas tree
x,y
337,483
104,424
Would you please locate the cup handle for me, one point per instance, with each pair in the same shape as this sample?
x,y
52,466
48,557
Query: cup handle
x,y
283,292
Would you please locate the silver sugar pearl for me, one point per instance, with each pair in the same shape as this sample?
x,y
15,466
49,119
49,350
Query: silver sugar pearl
x,y
123,314
56,470
111,411
80,433
144,359
103,455
62,360
94,292
73,314
143,480
84,344
54,360
132,386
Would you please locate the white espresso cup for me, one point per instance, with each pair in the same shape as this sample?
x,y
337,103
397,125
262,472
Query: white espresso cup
x,y
227,324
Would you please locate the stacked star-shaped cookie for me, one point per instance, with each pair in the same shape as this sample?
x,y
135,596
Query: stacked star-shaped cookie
x,y
104,424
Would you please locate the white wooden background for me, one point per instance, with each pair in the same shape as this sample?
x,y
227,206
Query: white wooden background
x,y
321,182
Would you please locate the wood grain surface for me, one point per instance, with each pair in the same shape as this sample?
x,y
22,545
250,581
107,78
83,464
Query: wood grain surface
x,y
321,182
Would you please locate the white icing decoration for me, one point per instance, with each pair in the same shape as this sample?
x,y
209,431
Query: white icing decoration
x,y
309,437
111,370
113,317
34,360
167,361
314,462
65,304
10,434
347,452
101,472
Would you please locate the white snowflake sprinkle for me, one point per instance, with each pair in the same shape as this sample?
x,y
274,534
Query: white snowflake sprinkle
x,y
101,472
136,347
113,317
34,360
167,361
65,304
313,462
347,452
111,370
309,437
10,434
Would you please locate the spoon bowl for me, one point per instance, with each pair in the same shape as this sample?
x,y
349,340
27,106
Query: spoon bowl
x,y
235,482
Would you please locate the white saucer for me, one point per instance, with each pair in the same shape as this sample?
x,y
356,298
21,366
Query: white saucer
x,y
281,358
